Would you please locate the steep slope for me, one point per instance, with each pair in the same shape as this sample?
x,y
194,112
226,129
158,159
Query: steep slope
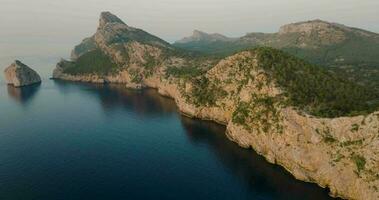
x,y
269,101
344,50
123,54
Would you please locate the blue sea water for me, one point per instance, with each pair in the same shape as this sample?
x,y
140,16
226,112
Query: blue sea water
x,y
62,140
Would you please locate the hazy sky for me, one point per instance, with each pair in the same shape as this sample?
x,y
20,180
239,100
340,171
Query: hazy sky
x,y
29,27
173,19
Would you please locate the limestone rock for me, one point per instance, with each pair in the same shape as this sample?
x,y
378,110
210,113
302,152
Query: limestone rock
x,y
19,74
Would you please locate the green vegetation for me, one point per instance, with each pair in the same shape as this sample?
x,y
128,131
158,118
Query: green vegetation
x,y
327,135
241,113
86,45
349,143
260,114
218,48
338,157
126,35
359,161
314,89
356,57
184,72
205,92
354,128
151,61
355,50
135,75
92,62
329,139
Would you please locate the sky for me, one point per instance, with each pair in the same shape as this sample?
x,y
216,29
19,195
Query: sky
x,y
39,27
173,19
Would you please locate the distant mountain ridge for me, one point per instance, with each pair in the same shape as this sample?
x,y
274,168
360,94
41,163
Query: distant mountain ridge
x,y
306,34
199,36
350,51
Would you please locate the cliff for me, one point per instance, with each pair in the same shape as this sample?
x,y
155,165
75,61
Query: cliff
x,y
292,113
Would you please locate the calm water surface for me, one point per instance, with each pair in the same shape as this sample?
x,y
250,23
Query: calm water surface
x,y
63,140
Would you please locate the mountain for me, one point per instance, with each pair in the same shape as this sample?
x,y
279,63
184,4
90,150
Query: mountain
x,y
117,48
321,127
199,36
351,52
209,43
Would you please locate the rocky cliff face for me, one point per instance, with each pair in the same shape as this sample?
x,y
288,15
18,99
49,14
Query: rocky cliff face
x,y
338,153
18,75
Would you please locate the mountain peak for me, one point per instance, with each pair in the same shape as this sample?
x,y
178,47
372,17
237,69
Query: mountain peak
x,y
306,26
18,62
198,35
108,17
322,28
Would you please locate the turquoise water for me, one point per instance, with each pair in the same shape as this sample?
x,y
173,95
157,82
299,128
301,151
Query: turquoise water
x,y
63,140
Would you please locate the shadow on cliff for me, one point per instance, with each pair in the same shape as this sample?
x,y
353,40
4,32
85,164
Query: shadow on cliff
x,y
260,176
113,97
23,95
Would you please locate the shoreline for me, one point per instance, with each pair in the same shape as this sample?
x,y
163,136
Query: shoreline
x,y
298,163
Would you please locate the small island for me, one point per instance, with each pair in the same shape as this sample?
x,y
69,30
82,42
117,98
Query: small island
x,y
18,74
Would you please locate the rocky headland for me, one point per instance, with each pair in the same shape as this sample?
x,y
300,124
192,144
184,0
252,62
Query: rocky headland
x,y
294,114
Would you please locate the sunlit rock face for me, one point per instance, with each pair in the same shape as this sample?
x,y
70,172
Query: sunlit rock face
x,y
19,74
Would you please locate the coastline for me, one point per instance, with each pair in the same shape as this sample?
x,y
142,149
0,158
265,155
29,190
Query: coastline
x,y
300,151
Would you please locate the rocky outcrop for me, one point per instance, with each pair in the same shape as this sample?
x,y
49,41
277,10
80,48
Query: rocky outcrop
x,y
18,75
341,153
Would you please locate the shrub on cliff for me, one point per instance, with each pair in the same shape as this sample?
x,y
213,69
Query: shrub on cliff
x,y
93,62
